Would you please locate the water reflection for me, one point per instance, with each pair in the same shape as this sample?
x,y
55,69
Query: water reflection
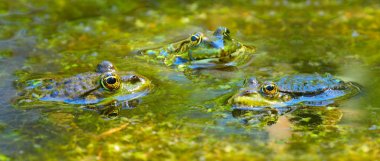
x,y
185,114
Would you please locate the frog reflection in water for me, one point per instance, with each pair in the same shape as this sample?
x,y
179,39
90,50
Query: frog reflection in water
x,y
105,90
210,51
303,90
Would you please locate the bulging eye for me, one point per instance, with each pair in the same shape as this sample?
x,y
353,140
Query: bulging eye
x,y
110,81
226,34
196,37
223,32
251,82
105,66
226,31
270,89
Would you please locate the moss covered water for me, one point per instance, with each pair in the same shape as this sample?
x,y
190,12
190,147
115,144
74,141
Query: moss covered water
x,y
184,117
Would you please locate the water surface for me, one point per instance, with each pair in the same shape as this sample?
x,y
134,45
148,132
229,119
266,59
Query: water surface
x,y
184,118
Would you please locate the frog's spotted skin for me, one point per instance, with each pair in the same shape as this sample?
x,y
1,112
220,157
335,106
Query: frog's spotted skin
x,y
98,90
200,50
293,91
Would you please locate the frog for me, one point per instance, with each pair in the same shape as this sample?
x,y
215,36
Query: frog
x,y
104,90
291,92
200,50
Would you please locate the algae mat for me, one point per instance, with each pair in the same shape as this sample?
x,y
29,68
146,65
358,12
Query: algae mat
x,y
184,118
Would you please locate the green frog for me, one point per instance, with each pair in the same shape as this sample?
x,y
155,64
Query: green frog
x,y
203,51
301,90
105,90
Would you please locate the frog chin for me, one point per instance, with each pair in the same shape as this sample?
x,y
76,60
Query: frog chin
x,y
256,101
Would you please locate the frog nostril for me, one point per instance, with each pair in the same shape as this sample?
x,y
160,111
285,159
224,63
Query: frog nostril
x,y
247,92
134,79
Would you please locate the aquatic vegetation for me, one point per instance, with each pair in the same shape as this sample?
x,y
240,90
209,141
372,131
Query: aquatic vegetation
x,y
185,119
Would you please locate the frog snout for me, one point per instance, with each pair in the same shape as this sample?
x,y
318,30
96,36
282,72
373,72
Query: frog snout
x,y
249,92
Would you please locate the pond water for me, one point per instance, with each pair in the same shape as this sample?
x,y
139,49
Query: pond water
x,y
185,117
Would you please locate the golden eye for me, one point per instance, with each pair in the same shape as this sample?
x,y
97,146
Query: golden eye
x,y
110,81
269,89
196,38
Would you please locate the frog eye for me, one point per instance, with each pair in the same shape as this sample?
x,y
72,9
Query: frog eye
x,y
196,38
226,32
223,31
105,66
110,81
269,89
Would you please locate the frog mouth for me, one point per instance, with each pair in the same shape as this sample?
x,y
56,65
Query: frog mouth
x,y
215,49
254,101
200,54
132,96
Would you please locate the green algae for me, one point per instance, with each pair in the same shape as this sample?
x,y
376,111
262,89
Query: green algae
x,y
186,118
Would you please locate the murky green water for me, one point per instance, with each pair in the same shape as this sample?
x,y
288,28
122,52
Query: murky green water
x,y
184,119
